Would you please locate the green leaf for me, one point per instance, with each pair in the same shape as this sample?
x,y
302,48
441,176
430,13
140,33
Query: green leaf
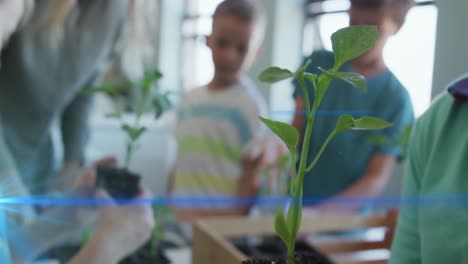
x,y
304,67
148,80
286,132
133,132
161,104
294,216
347,122
116,115
351,42
352,78
371,123
323,82
406,135
281,228
311,78
275,74
104,88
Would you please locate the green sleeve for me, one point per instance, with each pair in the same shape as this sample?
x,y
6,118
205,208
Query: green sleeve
x,y
406,247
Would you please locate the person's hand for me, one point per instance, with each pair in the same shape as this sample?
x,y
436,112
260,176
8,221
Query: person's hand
x,y
122,229
84,188
87,179
265,152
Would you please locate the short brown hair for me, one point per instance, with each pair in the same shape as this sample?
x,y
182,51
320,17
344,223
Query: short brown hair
x,y
398,9
248,11
244,10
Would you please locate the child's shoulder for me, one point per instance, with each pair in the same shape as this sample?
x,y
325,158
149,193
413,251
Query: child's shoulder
x,y
194,93
251,93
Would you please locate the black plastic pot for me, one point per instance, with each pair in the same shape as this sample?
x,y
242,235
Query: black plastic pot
x,y
119,182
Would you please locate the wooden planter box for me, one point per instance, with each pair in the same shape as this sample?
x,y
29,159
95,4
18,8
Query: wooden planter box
x,y
211,244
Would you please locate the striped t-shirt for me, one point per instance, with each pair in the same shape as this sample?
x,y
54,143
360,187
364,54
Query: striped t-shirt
x,y
213,129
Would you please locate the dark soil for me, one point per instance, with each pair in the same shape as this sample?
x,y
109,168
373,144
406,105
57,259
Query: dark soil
x,y
119,182
146,256
143,256
272,250
304,259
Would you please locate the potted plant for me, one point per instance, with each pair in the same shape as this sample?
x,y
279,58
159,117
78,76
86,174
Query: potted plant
x,y
348,43
121,183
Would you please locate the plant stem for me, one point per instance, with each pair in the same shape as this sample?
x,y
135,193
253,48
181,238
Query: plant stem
x,y
297,191
131,142
129,153
322,149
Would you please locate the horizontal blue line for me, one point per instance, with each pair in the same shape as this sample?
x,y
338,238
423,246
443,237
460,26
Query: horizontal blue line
x,y
442,200
325,112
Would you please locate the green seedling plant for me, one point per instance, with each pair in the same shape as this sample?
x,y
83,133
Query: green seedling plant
x,y
348,43
151,98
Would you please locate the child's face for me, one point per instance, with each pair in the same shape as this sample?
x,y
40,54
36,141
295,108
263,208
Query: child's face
x,y
386,25
232,47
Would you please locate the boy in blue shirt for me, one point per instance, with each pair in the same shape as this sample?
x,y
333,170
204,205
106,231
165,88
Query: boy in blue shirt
x,y
351,166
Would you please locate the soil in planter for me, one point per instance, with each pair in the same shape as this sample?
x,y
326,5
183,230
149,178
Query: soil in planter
x,y
299,259
143,256
272,250
146,255
119,182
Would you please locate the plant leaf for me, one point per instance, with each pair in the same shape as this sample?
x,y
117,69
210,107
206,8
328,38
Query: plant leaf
x,y
286,132
406,135
104,88
117,115
133,132
352,78
275,74
371,123
294,216
304,67
161,104
351,42
281,228
148,79
311,78
347,122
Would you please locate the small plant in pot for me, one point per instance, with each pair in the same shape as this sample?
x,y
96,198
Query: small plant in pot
x,y
120,182
123,184
348,43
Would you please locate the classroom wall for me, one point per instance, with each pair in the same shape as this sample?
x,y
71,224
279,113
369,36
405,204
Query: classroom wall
x,y
451,57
